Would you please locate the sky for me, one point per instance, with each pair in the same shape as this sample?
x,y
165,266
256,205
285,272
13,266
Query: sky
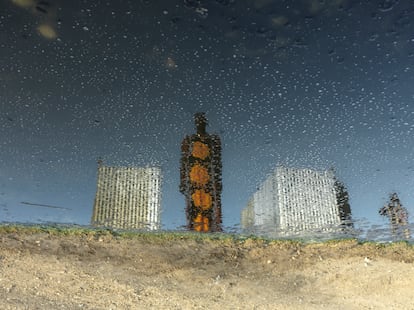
x,y
306,83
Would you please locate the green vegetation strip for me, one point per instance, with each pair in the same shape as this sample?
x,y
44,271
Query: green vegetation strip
x,y
167,236
124,234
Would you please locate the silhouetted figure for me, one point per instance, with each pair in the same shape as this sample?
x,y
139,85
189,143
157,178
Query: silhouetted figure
x,y
398,216
201,178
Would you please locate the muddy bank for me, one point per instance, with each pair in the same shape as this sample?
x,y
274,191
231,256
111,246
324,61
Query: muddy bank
x,y
100,270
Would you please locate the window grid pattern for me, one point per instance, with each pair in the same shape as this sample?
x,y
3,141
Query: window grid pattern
x,y
292,201
128,198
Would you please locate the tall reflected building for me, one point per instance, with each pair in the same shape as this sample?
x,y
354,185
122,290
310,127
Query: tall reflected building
x,y
128,198
295,201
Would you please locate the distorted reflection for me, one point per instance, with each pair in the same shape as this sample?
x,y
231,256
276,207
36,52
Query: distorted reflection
x,y
301,85
201,178
398,217
295,202
128,198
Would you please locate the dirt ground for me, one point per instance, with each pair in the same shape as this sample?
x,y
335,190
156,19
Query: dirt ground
x,y
58,271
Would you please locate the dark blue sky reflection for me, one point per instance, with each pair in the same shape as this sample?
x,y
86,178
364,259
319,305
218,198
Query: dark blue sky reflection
x,y
314,84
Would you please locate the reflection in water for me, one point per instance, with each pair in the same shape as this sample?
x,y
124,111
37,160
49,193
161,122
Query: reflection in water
x,y
398,216
294,202
42,205
128,198
201,178
309,84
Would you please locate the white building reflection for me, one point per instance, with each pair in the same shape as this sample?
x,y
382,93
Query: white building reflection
x,y
292,202
128,198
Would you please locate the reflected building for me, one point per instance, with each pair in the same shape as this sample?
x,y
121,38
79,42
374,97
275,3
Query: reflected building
x,y
128,198
295,201
247,217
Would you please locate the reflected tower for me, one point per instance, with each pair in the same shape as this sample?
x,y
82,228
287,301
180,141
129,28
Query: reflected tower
x,y
200,175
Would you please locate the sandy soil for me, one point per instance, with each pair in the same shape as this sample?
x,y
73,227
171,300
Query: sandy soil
x,y
46,271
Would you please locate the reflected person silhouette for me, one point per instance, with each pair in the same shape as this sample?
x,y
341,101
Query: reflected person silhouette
x,y
200,175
